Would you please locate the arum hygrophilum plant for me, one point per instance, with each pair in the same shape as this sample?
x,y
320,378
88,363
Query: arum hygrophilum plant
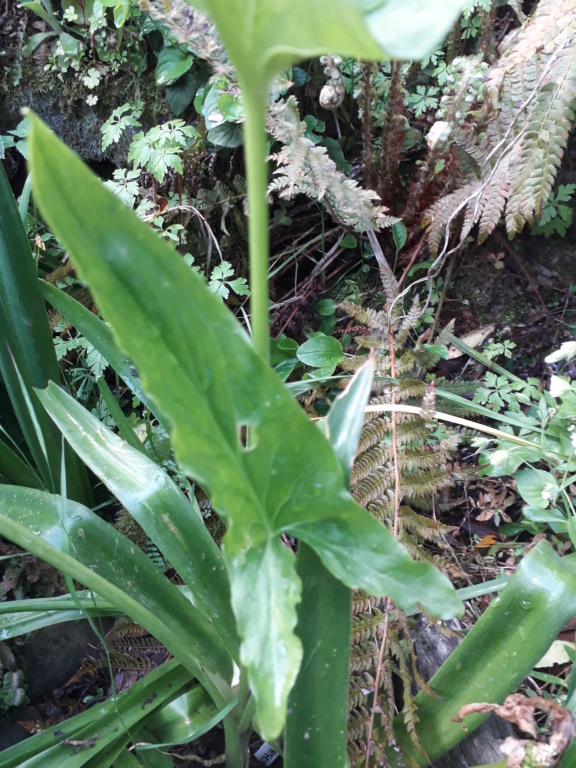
x,y
206,380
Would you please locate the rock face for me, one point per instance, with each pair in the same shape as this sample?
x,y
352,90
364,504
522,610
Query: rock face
x,y
60,98
481,747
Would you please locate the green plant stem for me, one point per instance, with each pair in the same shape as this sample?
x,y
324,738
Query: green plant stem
x,y
255,149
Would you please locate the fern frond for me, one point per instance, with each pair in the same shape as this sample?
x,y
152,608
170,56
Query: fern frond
x,y
531,106
443,212
305,168
372,318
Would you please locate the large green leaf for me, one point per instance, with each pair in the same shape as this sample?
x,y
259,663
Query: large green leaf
x,y
203,374
264,37
15,470
498,652
27,357
411,29
155,502
113,567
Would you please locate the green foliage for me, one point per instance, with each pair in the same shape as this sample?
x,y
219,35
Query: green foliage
x,y
120,119
425,469
304,167
221,285
556,217
502,392
509,163
235,429
161,148
538,430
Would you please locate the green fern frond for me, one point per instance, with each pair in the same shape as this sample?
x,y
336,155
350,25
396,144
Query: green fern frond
x,y
372,318
443,337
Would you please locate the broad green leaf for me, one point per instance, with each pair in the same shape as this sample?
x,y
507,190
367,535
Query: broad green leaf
x,y
411,29
496,654
113,567
316,735
36,7
264,38
316,729
206,378
71,45
399,234
14,470
326,307
344,543
230,107
121,11
156,504
181,94
173,62
321,352
184,719
346,417
126,759
537,487
34,41
226,135
100,726
265,584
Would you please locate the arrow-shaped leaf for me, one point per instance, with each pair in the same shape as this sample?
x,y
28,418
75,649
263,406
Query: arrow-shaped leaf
x,y
202,372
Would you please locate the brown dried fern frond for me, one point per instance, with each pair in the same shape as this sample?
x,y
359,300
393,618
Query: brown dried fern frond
x,y
522,133
305,168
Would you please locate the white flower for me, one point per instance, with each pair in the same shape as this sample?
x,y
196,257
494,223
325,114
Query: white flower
x,y
91,100
566,352
70,14
573,440
499,457
559,386
92,78
438,134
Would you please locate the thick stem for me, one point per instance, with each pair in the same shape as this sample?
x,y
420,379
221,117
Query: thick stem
x,y
255,150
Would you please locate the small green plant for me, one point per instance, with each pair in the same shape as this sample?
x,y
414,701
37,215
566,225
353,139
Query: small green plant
x,y
556,218
500,392
120,120
161,148
498,348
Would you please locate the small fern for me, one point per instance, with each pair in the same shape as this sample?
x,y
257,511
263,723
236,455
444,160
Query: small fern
x,y
426,468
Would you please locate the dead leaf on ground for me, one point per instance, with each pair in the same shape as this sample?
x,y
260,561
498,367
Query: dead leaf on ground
x,y
520,710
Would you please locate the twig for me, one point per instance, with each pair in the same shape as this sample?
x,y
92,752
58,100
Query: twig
x,y
447,279
412,259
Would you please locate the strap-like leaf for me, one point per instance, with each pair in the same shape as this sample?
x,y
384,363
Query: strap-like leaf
x,y
113,567
27,358
156,504
99,728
